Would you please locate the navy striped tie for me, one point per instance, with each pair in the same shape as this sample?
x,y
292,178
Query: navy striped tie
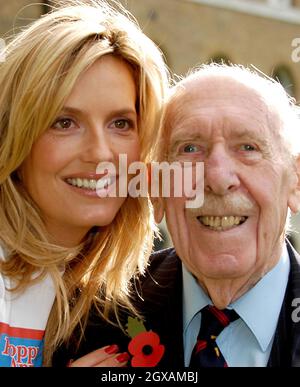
x,y
206,352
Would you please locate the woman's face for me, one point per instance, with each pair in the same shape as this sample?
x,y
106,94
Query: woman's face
x,y
97,123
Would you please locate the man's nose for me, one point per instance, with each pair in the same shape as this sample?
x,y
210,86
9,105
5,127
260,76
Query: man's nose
x,y
220,174
98,146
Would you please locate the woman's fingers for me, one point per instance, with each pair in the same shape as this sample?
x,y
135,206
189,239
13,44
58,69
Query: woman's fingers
x,y
119,360
104,357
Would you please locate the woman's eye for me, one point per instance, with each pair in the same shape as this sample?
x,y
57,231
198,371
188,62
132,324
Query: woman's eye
x,y
248,148
190,148
63,124
122,124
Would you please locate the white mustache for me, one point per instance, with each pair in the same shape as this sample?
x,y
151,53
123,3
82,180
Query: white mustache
x,y
232,204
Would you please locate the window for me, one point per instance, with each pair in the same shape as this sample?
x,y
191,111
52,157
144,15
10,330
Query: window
x,y
284,76
296,3
220,58
46,6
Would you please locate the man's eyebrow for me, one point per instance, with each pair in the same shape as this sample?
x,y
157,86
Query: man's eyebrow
x,y
182,136
245,134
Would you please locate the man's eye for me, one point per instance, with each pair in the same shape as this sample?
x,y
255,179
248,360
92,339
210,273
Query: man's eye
x,y
190,148
248,148
63,124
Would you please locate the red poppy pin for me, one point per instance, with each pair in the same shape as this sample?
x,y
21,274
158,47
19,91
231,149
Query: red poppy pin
x,y
144,346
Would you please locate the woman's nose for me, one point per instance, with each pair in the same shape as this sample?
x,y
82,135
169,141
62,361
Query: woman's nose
x,y
98,147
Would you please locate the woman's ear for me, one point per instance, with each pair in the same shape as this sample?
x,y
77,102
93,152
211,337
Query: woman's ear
x,y
294,198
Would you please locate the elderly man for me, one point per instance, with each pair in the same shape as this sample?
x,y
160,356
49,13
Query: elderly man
x,y
233,249
225,295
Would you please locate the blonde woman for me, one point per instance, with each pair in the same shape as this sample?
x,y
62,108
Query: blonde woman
x,y
79,86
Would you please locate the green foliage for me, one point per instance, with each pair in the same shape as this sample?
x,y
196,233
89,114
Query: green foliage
x,y
135,326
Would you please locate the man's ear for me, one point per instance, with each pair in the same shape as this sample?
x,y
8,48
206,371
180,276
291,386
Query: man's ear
x,y
294,198
157,202
158,205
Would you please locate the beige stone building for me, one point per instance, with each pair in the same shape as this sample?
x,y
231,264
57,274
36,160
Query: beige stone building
x,y
258,32
265,33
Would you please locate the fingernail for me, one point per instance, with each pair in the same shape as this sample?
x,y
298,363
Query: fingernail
x,y
111,349
123,357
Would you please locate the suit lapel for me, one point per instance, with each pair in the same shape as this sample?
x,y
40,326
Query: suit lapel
x,y
286,346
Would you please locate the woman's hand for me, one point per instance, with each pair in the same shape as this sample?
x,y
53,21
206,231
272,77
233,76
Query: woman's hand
x,y
104,357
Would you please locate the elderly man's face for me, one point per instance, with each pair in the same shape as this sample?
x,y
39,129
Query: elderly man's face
x,y
249,184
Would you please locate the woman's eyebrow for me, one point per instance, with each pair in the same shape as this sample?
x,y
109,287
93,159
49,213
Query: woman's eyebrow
x,y
121,111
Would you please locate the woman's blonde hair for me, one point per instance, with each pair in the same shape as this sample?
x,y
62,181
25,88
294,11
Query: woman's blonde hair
x,y
42,65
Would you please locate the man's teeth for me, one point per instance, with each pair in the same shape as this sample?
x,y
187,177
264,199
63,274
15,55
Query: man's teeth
x,y
221,223
91,184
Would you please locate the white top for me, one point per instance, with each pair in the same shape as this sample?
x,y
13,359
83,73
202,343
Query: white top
x,y
23,318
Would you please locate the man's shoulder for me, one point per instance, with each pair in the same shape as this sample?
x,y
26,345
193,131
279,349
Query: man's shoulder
x,y
294,258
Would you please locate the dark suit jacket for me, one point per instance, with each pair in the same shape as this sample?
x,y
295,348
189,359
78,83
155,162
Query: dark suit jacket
x,y
161,291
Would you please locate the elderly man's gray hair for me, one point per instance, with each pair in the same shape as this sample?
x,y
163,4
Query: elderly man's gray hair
x,y
271,91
